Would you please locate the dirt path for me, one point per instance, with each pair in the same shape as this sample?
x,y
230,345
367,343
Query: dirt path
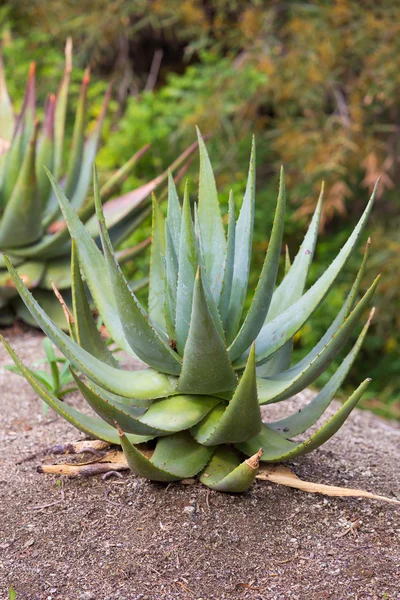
x,y
128,539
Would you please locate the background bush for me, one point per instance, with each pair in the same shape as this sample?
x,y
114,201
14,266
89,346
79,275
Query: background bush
x,y
317,82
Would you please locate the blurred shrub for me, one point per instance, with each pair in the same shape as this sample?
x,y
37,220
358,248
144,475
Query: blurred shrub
x,y
318,82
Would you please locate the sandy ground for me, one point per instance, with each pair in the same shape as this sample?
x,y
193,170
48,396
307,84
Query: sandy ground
x,y
129,539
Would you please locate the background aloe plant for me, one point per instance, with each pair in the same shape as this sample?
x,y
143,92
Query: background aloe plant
x,y
30,227
212,364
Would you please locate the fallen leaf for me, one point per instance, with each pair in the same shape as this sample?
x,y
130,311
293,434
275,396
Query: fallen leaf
x,y
284,476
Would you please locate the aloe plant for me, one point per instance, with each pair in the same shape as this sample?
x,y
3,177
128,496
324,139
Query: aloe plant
x,y
31,228
212,364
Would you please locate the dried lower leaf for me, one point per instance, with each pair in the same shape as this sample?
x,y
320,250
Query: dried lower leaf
x,y
284,476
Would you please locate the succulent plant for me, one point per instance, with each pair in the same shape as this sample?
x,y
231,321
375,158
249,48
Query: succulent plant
x,y
30,227
212,364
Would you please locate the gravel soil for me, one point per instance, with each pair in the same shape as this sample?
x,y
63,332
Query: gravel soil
x,y
129,539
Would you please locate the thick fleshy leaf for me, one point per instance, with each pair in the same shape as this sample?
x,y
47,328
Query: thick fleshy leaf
x,y
276,333
290,290
177,413
229,265
176,456
295,379
78,138
240,420
188,263
27,117
305,418
61,110
91,426
89,154
206,368
181,455
86,333
211,303
262,297
210,221
125,415
143,339
157,270
225,472
293,284
278,362
143,384
171,283
94,268
277,448
20,225
243,248
174,213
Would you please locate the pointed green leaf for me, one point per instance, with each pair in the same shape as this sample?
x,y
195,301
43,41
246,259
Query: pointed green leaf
x,y
211,226
142,466
229,265
240,420
171,282
143,384
307,370
157,271
20,225
178,412
243,248
293,284
78,137
27,116
89,154
45,151
206,368
225,472
86,333
290,290
211,303
174,213
276,333
143,339
94,268
277,448
305,418
61,110
262,297
188,263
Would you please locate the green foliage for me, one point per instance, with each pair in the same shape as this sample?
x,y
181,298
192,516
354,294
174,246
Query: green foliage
x,y
211,363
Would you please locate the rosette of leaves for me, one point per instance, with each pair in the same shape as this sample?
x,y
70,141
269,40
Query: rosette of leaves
x,y
212,364
32,231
